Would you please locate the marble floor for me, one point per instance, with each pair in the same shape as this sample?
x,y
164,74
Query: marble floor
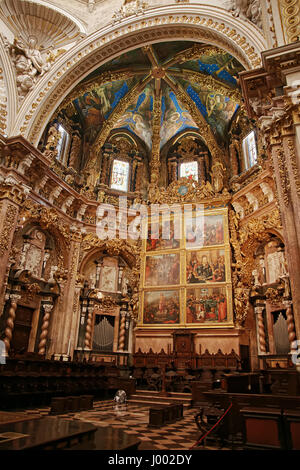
x,y
133,419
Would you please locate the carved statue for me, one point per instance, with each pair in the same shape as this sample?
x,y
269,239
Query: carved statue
x,y
28,61
246,9
31,51
52,142
217,176
129,7
25,75
241,302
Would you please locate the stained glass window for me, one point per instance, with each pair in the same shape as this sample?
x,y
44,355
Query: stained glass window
x,y
189,170
119,176
250,150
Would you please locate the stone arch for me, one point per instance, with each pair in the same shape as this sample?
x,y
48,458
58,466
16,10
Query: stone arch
x,y
112,248
210,25
45,220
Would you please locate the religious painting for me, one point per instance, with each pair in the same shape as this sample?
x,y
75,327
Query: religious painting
x,y
161,307
95,106
216,108
210,232
205,266
206,305
138,116
162,270
108,279
175,118
162,235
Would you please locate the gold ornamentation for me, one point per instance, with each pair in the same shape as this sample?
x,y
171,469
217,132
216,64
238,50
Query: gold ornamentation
x,y
295,169
274,296
184,190
241,303
258,226
48,218
284,181
106,302
32,290
156,128
8,228
233,42
290,10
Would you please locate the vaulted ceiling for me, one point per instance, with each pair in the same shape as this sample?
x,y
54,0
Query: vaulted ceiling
x,y
195,85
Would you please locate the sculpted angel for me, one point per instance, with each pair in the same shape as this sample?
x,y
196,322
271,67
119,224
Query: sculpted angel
x,y
32,52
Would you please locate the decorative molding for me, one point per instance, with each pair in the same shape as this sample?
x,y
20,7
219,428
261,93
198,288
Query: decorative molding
x,y
8,228
284,180
212,27
290,12
294,165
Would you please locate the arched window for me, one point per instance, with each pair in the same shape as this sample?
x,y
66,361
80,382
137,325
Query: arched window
x,y
250,150
120,175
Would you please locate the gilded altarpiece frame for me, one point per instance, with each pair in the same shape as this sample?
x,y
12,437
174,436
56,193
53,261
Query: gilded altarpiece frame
x,y
170,297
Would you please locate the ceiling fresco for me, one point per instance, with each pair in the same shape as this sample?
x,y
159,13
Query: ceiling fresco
x,y
207,75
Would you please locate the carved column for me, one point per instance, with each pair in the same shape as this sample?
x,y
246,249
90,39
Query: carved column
x,y
11,197
89,327
45,328
10,322
261,330
122,334
290,221
290,322
67,317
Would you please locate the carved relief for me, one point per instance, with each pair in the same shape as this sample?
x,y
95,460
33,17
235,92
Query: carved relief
x,y
29,63
129,8
8,228
246,9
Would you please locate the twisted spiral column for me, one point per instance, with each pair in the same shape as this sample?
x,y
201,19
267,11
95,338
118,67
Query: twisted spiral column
x,y
290,322
45,327
88,331
10,322
261,330
122,333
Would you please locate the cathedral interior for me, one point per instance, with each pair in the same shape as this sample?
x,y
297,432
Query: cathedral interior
x,y
120,122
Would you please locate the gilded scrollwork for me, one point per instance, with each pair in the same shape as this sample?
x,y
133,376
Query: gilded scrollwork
x,y
184,190
284,181
8,228
294,165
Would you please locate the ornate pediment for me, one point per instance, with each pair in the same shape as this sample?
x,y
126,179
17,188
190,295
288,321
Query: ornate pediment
x,y
185,190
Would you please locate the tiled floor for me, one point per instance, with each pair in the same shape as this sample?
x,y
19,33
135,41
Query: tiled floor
x,y
133,419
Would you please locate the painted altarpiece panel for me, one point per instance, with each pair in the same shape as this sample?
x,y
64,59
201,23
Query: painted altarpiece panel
x,y
199,298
